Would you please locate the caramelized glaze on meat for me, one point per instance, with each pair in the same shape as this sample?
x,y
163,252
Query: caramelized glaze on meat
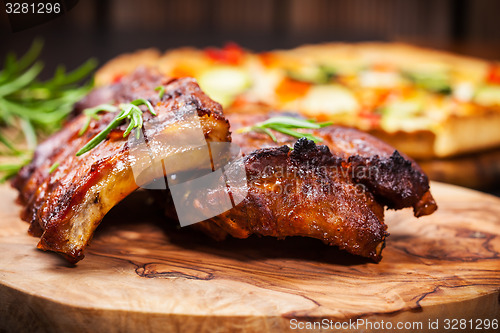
x,y
304,192
64,207
334,191
395,179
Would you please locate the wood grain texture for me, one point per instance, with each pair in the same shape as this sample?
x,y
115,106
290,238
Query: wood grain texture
x,y
139,275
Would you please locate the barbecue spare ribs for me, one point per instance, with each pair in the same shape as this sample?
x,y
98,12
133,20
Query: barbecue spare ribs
x,y
65,206
335,190
395,179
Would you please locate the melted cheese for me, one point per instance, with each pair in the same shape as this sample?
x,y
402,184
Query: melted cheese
x,y
379,79
223,83
329,99
463,91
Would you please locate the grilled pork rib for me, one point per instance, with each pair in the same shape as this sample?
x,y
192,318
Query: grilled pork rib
x,y
306,192
65,206
335,191
395,179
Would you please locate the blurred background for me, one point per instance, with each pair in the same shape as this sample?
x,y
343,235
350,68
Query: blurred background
x,y
103,29
106,28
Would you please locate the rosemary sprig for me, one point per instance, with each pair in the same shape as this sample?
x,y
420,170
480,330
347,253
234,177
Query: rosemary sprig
x,y
286,125
30,108
130,111
9,170
8,144
161,92
91,113
53,167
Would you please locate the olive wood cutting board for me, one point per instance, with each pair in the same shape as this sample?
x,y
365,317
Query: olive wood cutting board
x,y
141,275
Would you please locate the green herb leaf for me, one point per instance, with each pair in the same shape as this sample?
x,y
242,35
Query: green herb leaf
x,y
54,167
266,131
61,78
287,125
29,133
141,101
296,134
161,91
8,144
21,81
34,108
289,122
130,111
91,113
11,169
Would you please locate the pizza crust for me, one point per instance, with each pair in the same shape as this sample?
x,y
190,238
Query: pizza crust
x,y
124,64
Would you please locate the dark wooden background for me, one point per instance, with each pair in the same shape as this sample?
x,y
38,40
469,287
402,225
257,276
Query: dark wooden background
x,y
105,28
